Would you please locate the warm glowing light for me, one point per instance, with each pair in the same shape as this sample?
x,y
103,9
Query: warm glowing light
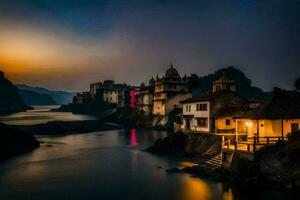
x,y
249,124
195,189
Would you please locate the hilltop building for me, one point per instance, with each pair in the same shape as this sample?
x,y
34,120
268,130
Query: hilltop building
x,y
224,84
168,92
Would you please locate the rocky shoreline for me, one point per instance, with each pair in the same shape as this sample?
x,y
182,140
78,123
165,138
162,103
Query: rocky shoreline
x,y
273,168
14,142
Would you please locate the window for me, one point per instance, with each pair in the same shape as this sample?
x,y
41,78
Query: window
x,y
201,107
202,122
188,108
227,122
294,127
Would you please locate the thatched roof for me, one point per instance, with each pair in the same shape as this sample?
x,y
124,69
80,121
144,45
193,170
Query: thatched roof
x,y
281,105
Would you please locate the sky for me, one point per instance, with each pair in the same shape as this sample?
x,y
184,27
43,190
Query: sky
x,y
67,44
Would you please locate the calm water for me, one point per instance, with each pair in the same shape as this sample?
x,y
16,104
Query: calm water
x,y
104,165
100,165
41,114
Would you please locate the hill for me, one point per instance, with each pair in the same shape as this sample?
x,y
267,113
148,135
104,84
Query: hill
x,y
34,98
243,84
43,96
10,100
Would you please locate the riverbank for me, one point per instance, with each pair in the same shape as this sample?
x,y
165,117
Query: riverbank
x,y
198,145
14,142
67,127
274,167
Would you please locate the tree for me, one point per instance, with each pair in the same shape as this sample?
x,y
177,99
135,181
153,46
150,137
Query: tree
x,y
297,84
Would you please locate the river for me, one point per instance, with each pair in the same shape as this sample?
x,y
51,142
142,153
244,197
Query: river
x,y
105,165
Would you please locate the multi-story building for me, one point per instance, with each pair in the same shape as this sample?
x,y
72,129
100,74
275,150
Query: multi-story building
x,y
215,110
144,98
168,92
110,92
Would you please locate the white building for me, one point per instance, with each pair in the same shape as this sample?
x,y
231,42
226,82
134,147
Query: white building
x,y
215,110
111,96
196,115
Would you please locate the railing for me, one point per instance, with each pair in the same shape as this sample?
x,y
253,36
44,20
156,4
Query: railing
x,y
251,144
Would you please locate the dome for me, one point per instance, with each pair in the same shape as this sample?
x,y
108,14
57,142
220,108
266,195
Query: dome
x,y
152,81
172,72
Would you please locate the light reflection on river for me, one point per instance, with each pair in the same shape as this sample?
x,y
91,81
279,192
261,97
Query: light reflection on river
x,y
100,165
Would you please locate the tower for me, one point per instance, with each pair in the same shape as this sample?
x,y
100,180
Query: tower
x,y
224,84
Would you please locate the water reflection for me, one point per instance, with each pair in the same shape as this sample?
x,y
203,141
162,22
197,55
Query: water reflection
x,y
133,140
102,165
195,189
41,114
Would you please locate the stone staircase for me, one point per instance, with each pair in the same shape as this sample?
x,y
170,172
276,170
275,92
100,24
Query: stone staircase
x,y
215,162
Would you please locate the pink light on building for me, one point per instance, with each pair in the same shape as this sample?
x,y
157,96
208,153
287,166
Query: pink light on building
x,y
132,97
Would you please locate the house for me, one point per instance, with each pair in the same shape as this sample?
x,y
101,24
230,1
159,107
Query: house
x,y
168,92
110,92
212,112
215,110
144,98
276,117
81,98
224,84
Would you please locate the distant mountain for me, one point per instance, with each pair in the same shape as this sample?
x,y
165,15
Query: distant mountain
x,y
243,84
10,100
34,98
42,96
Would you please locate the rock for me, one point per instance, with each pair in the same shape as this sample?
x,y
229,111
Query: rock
x,y
183,144
174,144
10,100
14,141
67,127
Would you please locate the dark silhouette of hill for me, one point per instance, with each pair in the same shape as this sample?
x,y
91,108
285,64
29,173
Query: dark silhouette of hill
x,y
58,97
10,100
243,84
34,98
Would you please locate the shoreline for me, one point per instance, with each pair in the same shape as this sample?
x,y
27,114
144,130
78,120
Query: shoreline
x,y
67,127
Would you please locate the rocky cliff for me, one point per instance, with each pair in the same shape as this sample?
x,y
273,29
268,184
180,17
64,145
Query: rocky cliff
x,y
10,100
